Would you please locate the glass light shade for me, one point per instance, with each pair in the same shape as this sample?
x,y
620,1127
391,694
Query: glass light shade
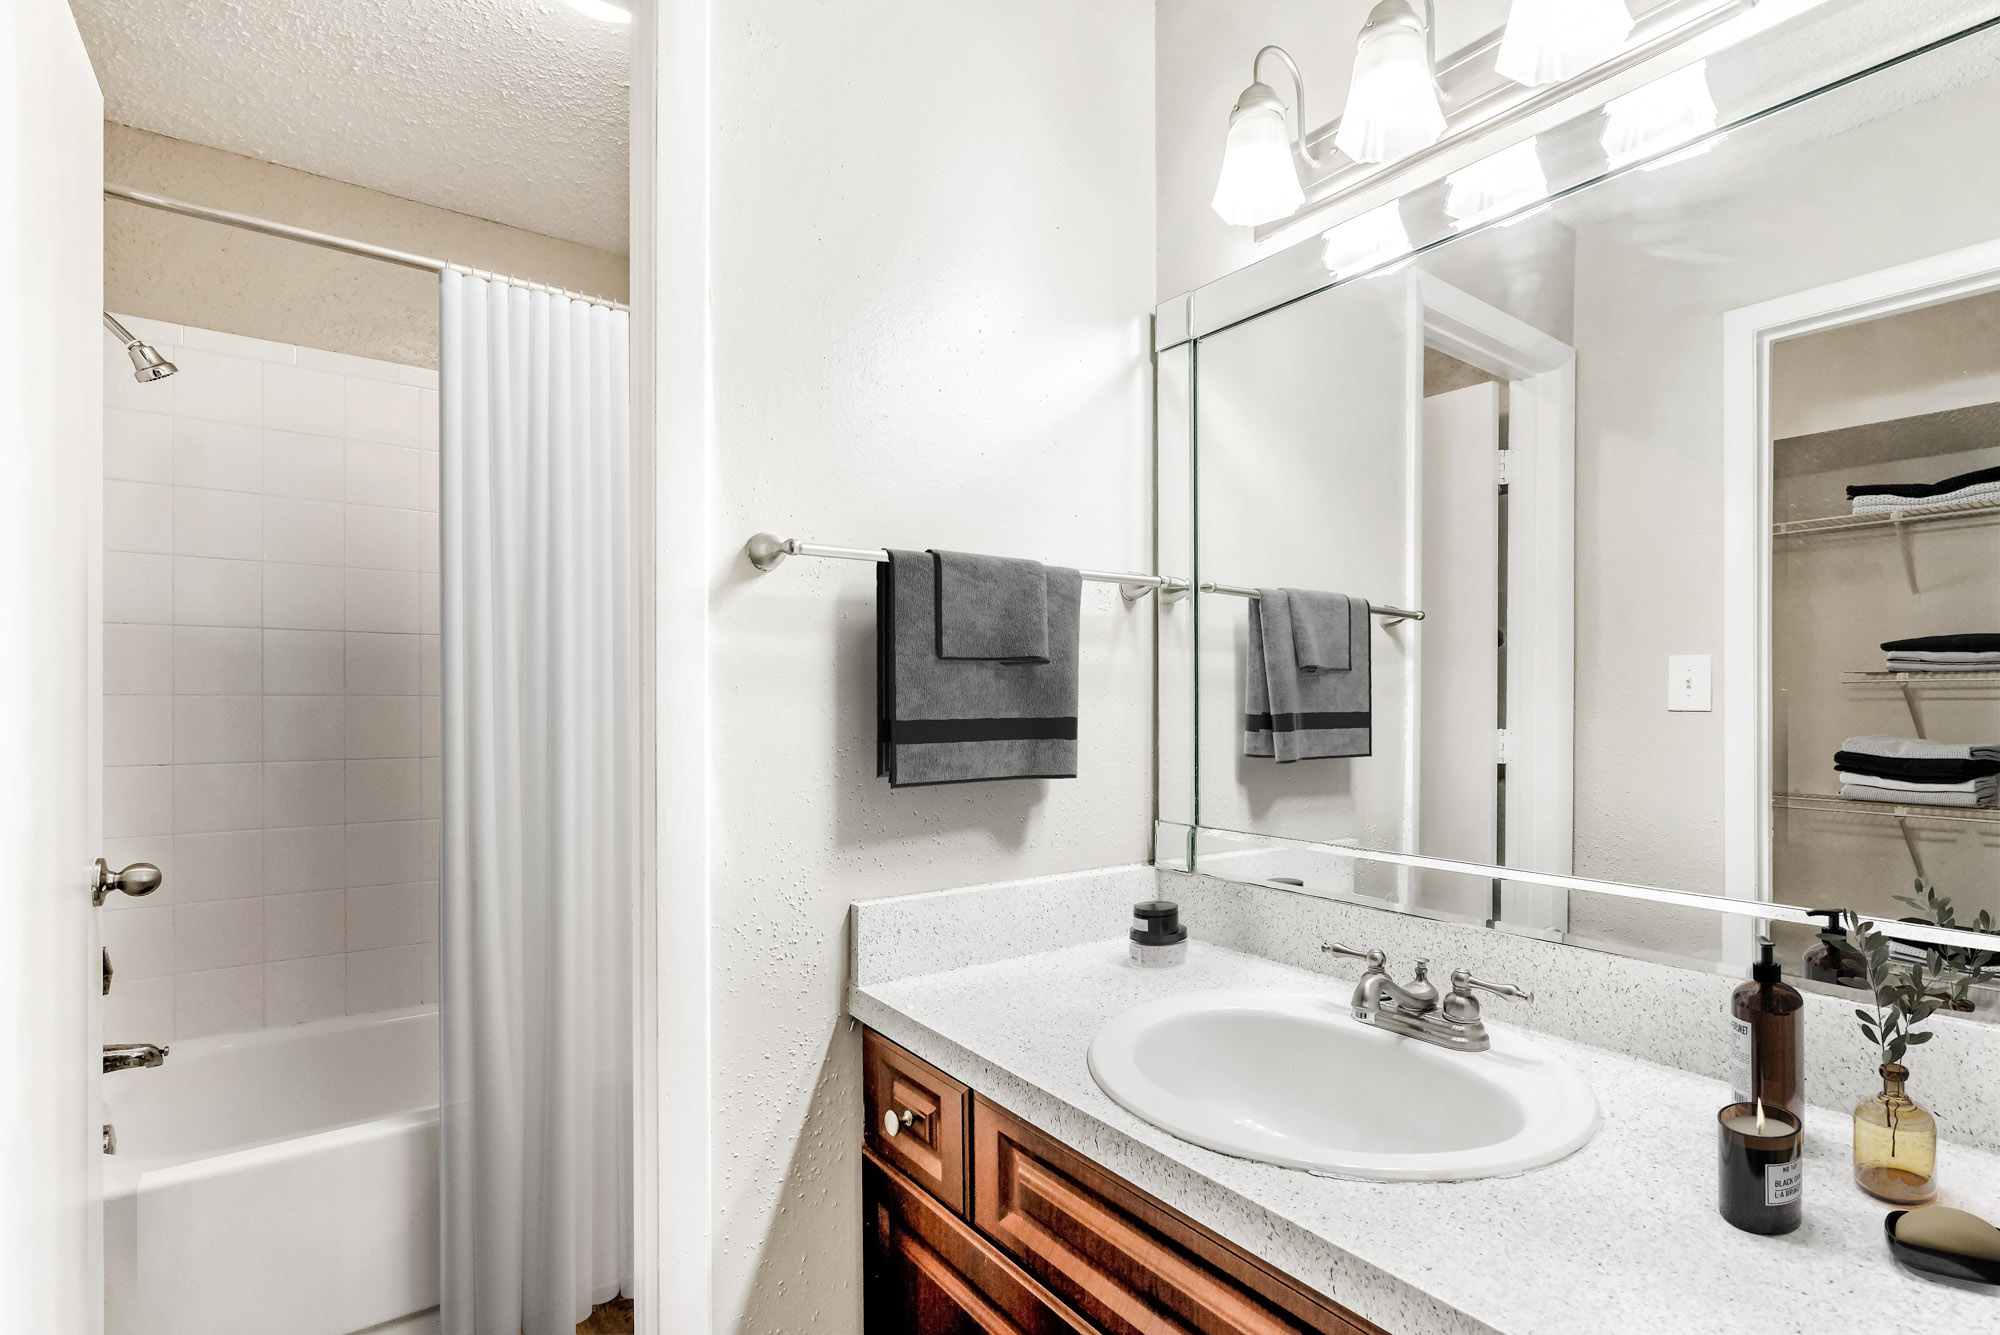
x,y
1668,111
1392,103
1259,181
1365,241
1495,185
1548,41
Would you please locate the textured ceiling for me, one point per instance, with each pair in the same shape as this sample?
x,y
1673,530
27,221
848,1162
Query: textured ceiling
x,y
513,110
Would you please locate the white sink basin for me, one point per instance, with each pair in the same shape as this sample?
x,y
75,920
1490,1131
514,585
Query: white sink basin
x,y
1294,1079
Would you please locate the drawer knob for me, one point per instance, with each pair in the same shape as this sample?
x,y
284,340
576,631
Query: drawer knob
x,y
894,1121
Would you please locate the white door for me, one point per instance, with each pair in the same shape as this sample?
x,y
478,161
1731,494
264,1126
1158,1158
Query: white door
x,y
51,471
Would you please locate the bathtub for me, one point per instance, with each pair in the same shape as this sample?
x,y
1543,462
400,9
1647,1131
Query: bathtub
x,y
282,1180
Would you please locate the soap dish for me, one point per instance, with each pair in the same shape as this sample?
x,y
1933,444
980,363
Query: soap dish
x,y
1931,1261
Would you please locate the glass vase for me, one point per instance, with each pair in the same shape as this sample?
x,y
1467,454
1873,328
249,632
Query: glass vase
x,y
1895,1145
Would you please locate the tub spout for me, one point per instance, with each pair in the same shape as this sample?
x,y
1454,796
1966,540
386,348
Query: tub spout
x,y
127,1056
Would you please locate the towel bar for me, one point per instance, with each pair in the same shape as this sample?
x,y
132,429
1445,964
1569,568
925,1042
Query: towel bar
x,y
767,550
1390,615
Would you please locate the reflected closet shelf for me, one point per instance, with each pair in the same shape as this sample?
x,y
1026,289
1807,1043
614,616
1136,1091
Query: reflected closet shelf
x,y
1923,678
1915,514
1898,810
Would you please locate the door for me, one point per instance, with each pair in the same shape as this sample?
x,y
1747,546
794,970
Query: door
x,y
51,470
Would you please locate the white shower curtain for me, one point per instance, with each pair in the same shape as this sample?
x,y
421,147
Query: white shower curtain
x,y
535,1004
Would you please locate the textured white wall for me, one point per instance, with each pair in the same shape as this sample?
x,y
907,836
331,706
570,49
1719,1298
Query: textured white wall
x,y
931,275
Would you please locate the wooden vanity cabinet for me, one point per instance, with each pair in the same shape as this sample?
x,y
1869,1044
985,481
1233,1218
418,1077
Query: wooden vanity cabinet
x,y
1031,1238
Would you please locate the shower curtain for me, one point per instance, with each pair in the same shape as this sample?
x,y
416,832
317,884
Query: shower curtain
x,y
535,1005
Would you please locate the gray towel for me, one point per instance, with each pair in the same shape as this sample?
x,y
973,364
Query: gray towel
x,y
1292,715
1322,630
958,721
1918,748
991,607
1861,792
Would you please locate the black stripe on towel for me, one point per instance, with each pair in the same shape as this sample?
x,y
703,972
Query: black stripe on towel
x,y
1302,722
917,731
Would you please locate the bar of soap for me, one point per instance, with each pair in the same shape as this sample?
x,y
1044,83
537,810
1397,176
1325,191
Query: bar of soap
x,y
1944,1229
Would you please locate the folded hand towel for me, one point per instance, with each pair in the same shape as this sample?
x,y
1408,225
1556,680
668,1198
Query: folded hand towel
x,y
1908,489
957,721
1990,786
1984,493
1918,748
1869,793
1945,656
1292,715
1915,769
1322,626
991,607
1944,644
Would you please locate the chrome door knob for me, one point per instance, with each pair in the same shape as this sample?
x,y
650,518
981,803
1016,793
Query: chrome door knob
x,y
138,880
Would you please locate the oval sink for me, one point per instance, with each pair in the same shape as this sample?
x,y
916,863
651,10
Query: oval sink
x,y
1295,1079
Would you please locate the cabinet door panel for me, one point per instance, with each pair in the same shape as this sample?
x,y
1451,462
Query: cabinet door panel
x,y
928,1147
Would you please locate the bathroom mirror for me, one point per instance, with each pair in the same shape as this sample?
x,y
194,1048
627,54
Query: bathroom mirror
x,y
1603,444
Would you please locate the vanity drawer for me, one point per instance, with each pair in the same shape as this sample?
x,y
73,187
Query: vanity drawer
x,y
929,1110
1122,1259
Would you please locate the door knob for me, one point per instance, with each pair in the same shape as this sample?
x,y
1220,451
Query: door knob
x,y
138,880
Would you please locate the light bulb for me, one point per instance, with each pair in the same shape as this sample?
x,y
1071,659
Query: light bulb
x,y
1668,111
1548,41
1392,103
606,11
1495,185
1259,181
1365,241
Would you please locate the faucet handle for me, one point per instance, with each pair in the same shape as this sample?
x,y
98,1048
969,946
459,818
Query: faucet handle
x,y
1376,959
1463,984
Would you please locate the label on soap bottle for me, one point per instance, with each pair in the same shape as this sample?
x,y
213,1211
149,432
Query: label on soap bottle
x,y
1782,1182
1740,1054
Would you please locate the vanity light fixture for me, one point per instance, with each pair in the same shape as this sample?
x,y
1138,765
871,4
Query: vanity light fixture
x,y
1670,110
1260,161
605,11
1392,102
1497,184
1548,41
1365,241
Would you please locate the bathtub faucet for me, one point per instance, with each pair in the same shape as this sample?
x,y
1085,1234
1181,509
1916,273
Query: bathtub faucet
x,y
128,1056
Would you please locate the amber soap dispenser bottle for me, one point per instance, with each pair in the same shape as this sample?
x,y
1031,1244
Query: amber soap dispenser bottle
x,y
1766,1054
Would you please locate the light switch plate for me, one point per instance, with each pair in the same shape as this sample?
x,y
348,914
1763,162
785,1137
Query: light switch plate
x,y
1688,684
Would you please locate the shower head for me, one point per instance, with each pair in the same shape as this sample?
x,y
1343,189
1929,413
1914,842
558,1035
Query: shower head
x,y
147,363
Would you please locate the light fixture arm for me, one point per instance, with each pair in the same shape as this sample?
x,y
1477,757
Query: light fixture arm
x,y
1299,148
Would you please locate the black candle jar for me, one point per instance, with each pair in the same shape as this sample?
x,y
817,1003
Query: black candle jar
x,y
1761,1172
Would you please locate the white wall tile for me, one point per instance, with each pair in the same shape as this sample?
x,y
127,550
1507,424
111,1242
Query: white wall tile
x,y
302,531
221,1001
346,363
140,1010
219,934
430,780
430,978
122,391
309,858
226,524
303,792
427,481
138,446
428,614
381,727
138,587
218,797
218,729
379,664
379,538
384,980
428,549
141,942
218,660
427,894
157,849
430,720
382,411
222,456
303,597
429,673
138,660
393,853
420,376
311,923
383,600
138,729
236,345
228,864
383,790
218,387
211,592
427,420
138,799
302,990
302,662
310,467
300,399
305,727
381,475
379,916
139,517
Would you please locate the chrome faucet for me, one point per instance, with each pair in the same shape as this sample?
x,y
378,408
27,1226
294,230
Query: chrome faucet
x,y
130,1056
1415,1010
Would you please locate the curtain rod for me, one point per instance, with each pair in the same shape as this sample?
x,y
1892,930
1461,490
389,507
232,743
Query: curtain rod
x,y
326,241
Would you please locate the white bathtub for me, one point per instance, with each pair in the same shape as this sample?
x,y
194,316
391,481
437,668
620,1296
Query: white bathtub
x,y
283,1180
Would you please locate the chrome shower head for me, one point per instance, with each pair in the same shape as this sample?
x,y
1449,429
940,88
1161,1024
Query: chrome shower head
x,y
147,363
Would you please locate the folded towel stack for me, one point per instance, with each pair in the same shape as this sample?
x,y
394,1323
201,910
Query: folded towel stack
x,y
1944,653
976,669
1308,677
1913,772
1872,498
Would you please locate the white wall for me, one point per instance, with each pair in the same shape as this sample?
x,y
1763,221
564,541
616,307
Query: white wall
x,y
930,277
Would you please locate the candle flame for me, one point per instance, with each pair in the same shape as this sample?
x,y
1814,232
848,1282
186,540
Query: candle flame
x,y
1760,1117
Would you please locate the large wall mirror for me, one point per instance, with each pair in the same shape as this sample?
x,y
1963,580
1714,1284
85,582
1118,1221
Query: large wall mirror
x,y
1599,426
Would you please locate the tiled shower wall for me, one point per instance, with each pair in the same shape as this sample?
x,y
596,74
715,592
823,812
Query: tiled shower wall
x,y
271,684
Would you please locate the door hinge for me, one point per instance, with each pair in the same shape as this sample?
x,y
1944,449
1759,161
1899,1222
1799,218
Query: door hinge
x,y
1500,462
1503,746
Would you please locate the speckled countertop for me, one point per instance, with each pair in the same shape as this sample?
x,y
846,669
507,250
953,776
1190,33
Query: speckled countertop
x,y
1621,1236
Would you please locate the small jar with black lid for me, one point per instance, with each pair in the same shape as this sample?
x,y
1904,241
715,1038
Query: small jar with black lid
x,y
1158,939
